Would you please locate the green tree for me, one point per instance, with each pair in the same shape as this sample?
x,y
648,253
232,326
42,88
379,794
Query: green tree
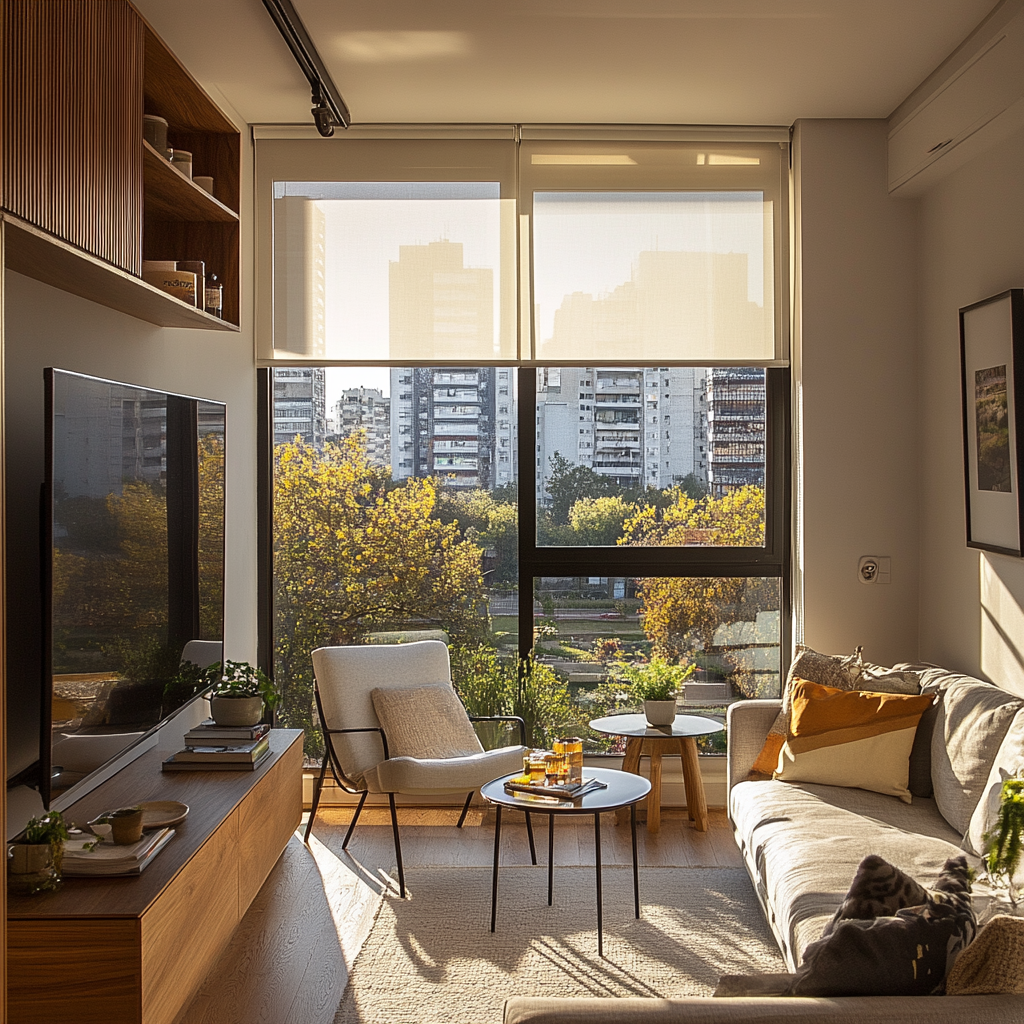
x,y
681,613
568,483
353,555
599,521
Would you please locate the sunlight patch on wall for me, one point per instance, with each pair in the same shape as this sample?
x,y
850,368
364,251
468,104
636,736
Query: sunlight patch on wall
x,y
1002,622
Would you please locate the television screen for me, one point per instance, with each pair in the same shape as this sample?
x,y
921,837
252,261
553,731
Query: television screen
x,y
133,565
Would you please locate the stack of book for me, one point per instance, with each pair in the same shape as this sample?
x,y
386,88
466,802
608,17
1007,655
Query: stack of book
x,y
89,855
521,786
212,747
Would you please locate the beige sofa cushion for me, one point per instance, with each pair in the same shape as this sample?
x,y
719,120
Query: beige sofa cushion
x,y
972,720
802,844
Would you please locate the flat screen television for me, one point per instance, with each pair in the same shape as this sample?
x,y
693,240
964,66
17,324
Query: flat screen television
x,y
132,566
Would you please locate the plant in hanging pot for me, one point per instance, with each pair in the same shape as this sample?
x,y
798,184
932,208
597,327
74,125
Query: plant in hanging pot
x,y
656,685
239,693
34,860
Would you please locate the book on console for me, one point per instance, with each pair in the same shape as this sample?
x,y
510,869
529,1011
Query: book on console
x,y
87,856
566,791
173,764
209,731
211,751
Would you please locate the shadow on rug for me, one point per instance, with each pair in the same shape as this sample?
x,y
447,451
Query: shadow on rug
x,y
431,959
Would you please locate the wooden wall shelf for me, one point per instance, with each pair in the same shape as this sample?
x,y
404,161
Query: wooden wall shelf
x,y
136,950
37,254
169,195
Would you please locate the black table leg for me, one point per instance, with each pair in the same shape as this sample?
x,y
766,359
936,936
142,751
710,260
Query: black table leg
x,y
494,876
551,856
636,872
529,833
597,859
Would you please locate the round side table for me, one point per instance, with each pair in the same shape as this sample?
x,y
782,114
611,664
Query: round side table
x,y
677,739
621,792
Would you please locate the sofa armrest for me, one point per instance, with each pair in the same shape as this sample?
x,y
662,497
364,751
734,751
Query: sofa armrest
x,y
748,723
1002,1009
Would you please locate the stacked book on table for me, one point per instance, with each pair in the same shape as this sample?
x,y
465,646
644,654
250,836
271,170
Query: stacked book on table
x,y
522,786
212,747
89,855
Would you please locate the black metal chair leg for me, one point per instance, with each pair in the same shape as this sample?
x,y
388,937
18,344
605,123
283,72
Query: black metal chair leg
x,y
317,789
551,856
398,845
529,833
465,810
355,818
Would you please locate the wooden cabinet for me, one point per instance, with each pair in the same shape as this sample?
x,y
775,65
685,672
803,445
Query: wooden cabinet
x,y
85,199
136,950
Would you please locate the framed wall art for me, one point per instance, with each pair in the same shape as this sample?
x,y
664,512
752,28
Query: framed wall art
x,y
992,386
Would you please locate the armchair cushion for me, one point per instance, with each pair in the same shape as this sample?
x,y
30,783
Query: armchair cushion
x,y
425,722
412,775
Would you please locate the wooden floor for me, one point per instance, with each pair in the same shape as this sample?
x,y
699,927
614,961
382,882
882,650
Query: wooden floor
x,y
288,961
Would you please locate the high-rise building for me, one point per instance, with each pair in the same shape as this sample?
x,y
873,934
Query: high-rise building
x,y
300,275
640,427
436,305
300,405
736,428
455,422
366,410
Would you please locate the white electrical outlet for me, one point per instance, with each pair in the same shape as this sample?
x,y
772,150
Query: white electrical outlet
x,y
874,569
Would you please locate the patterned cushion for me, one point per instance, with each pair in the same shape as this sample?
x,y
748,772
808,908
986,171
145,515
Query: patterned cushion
x,y
907,953
851,738
972,720
425,721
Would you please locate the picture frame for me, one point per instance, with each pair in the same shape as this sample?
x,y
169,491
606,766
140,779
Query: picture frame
x,y
991,378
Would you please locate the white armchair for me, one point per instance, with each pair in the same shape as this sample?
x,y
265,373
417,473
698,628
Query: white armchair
x,y
392,723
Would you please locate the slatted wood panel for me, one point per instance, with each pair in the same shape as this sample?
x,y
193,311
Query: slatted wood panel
x,y
72,161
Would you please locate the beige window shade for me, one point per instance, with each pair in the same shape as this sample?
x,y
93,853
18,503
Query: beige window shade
x,y
388,250
655,251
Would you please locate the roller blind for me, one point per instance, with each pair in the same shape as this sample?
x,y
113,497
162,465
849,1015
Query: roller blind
x,y
549,251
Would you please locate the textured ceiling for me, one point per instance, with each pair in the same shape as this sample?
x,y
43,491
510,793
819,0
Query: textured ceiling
x,y
582,61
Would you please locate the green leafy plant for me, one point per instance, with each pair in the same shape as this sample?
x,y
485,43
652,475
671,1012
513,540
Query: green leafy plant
x,y
50,828
1006,839
657,680
240,679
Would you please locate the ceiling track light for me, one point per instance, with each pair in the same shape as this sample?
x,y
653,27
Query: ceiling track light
x,y
329,108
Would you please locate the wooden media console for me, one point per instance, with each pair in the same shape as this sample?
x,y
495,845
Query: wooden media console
x,y
136,950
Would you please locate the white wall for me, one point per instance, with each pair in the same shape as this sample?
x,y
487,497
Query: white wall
x,y
972,246
856,332
47,327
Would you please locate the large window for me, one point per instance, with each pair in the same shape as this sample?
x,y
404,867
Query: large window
x,y
568,459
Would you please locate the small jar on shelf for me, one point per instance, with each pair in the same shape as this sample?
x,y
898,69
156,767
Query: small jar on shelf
x,y
214,296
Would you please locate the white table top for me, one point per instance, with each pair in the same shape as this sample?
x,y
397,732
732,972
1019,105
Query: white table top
x,y
636,725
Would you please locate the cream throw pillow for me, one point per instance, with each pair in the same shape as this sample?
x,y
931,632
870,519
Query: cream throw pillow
x,y
851,738
425,722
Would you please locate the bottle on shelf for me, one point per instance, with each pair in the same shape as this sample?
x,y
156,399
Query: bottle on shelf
x,y
214,296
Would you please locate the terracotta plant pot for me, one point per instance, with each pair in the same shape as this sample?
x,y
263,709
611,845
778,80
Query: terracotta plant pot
x,y
660,712
239,711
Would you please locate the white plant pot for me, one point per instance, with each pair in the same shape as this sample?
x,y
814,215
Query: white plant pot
x,y
29,858
236,711
660,712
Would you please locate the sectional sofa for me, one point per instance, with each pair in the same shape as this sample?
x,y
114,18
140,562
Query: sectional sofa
x,y
802,842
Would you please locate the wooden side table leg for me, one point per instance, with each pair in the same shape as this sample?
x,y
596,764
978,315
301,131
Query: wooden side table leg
x,y
654,797
686,779
630,763
695,798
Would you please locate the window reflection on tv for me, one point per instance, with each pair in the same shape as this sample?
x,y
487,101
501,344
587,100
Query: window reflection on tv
x,y
135,482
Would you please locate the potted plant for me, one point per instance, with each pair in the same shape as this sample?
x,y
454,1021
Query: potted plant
x,y
240,692
656,685
34,861
1005,840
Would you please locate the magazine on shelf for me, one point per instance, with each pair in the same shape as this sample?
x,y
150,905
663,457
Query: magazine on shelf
x,y
565,791
89,855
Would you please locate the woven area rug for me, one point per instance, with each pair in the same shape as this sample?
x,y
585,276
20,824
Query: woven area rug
x,y
431,959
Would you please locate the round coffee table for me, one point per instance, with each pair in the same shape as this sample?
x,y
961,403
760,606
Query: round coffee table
x,y
652,741
623,790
